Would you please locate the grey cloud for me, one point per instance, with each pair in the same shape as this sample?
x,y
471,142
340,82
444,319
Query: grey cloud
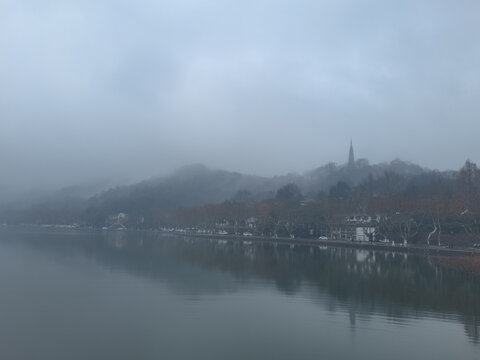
x,y
128,90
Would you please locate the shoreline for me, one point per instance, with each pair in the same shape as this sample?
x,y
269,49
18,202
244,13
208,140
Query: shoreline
x,y
409,249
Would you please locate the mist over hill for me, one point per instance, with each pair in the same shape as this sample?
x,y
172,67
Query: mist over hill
x,y
197,185
407,202
191,186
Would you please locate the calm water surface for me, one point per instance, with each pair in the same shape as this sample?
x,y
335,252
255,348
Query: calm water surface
x,y
137,296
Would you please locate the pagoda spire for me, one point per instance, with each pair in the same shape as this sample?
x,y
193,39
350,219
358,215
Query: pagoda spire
x,y
351,156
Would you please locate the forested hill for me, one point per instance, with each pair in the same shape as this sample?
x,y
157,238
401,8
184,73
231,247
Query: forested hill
x,y
324,177
189,186
198,185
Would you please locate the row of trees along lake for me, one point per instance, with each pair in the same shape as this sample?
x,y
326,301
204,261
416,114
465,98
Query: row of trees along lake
x,y
428,207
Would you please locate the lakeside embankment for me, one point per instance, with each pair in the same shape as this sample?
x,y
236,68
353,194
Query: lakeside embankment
x,y
466,260
411,248
462,259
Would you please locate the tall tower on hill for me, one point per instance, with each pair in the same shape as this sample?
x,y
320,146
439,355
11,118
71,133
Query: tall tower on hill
x,y
351,157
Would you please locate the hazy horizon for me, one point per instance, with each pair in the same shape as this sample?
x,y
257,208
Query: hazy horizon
x,y
126,91
111,182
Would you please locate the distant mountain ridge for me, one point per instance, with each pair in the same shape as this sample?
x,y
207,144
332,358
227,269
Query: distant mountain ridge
x,y
197,185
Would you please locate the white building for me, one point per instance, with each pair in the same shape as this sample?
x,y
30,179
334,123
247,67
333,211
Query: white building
x,y
364,233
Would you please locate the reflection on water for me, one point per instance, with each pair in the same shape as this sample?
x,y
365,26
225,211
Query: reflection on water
x,y
371,290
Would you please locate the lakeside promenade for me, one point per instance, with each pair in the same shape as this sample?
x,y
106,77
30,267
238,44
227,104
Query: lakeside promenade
x,y
409,248
422,249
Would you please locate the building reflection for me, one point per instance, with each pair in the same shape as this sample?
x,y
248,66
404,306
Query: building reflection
x,y
361,282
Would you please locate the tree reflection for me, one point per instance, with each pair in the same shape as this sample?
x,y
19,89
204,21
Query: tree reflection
x,y
362,282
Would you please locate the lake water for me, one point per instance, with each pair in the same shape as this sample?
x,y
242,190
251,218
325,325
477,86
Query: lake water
x,y
139,296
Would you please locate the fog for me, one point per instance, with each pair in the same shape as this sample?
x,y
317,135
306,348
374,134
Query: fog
x,y
123,90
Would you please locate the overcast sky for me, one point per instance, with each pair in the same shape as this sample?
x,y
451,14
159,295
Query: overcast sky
x,y
130,89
